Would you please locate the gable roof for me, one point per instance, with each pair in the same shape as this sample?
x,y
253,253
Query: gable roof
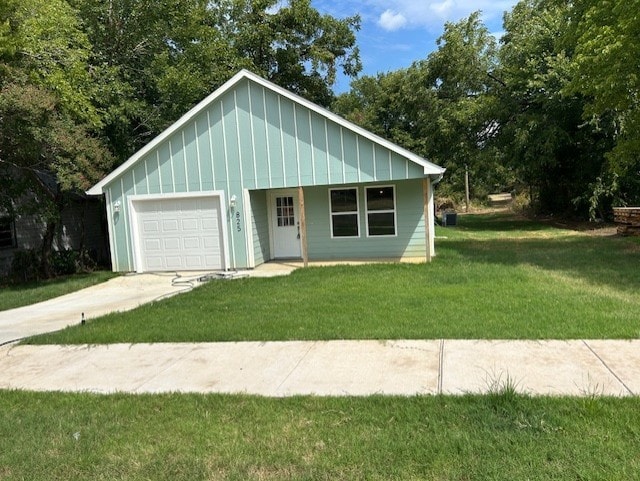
x,y
430,168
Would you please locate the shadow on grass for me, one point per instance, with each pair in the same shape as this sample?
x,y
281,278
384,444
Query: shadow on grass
x,y
14,295
500,221
610,261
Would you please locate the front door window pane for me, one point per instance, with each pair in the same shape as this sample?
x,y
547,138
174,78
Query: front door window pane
x,y
284,212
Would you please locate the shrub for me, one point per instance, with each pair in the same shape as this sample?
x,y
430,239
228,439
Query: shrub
x,y
26,264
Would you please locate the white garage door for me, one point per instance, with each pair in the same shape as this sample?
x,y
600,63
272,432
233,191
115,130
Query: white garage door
x,y
179,234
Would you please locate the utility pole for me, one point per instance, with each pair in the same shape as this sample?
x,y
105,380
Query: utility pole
x,y
466,187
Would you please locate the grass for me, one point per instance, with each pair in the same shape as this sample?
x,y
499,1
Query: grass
x,y
18,295
495,277
218,437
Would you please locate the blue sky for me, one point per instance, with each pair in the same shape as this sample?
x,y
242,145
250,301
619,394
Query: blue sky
x,y
396,33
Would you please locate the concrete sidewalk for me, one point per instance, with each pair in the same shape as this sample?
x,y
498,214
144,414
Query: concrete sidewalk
x,y
330,368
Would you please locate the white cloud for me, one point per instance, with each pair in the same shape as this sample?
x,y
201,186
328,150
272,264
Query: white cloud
x,y
390,20
443,9
430,14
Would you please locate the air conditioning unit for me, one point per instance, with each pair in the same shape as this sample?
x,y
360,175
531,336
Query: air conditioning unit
x,y
449,219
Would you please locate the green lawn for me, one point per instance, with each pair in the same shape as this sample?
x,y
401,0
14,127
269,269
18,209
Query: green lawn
x,y
495,276
214,437
18,295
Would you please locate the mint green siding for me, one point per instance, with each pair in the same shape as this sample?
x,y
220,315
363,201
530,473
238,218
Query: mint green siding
x,y
260,226
153,173
251,137
410,240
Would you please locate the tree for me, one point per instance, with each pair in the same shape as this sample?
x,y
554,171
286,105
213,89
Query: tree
x,y
292,44
541,130
606,71
460,72
46,111
157,58
438,106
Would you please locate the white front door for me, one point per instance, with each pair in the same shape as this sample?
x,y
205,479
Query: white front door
x,y
285,224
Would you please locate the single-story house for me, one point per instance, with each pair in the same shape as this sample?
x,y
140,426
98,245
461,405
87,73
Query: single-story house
x,y
255,173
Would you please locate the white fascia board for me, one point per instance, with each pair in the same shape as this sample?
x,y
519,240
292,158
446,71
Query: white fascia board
x,y
429,167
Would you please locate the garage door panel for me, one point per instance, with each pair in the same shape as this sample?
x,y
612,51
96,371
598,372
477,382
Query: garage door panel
x,y
194,262
170,225
152,245
212,258
211,244
192,243
209,224
151,226
171,244
189,205
174,263
190,225
154,263
180,234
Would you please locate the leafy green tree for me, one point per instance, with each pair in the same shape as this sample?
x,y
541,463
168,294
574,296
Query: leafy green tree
x,y
541,131
292,44
383,104
460,72
46,112
438,107
157,58
607,62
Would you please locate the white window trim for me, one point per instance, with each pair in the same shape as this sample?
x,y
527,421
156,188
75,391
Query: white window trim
x,y
357,212
387,211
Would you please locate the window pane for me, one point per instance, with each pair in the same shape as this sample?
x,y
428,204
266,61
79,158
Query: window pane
x,y
380,198
345,225
381,224
6,233
344,200
285,211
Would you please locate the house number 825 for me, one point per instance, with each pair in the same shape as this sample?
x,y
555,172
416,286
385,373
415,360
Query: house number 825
x,y
238,222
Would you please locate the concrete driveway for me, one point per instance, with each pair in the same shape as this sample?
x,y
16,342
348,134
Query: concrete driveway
x,y
118,294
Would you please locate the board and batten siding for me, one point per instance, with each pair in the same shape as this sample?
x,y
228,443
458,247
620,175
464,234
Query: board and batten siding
x,y
260,226
251,138
409,241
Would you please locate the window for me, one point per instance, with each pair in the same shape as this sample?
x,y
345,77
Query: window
x,y
381,211
285,212
344,212
7,232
